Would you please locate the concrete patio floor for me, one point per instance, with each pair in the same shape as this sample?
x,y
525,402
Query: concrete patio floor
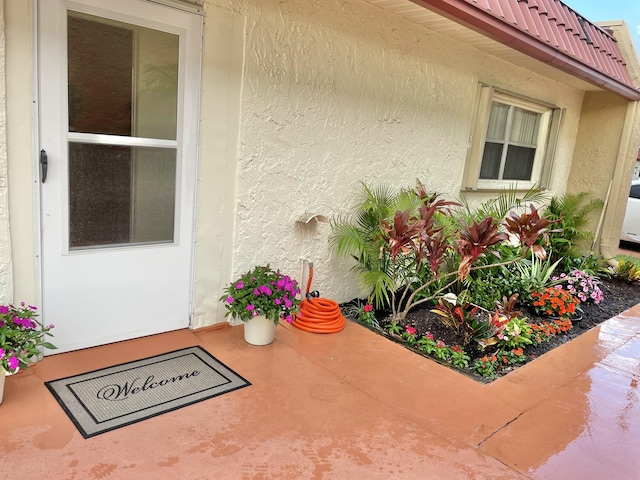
x,y
351,405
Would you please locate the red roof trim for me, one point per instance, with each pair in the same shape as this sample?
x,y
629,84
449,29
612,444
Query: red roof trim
x,y
549,31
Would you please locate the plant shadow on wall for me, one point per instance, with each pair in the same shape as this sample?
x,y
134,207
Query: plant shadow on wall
x,y
483,290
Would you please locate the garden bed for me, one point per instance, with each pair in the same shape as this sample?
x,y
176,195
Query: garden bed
x,y
618,297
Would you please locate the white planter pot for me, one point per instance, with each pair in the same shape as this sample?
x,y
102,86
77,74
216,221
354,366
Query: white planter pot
x,y
259,331
2,377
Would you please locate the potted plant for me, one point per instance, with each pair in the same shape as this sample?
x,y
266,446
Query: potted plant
x,y
261,298
21,339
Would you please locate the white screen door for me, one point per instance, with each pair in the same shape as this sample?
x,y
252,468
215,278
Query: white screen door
x,y
118,121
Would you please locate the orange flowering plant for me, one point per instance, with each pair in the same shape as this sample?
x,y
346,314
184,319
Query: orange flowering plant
x,y
555,302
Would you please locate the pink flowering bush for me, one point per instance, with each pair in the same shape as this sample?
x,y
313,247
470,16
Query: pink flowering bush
x,y
366,314
437,348
21,337
409,335
262,291
582,285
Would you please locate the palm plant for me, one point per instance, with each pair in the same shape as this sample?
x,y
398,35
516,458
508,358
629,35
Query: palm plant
x,y
362,237
571,213
500,206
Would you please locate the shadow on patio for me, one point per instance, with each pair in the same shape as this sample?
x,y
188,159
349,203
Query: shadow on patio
x,y
350,405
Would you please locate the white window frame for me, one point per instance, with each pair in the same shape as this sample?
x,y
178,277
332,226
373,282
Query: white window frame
x,y
550,118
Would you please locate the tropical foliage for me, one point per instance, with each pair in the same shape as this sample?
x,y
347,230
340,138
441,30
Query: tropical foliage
x,y
571,212
474,268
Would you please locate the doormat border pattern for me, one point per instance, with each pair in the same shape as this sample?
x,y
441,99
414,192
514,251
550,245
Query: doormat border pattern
x,y
68,391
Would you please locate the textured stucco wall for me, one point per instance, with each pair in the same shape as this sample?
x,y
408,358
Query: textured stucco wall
x,y
301,101
605,156
607,146
19,104
6,274
597,143
338,92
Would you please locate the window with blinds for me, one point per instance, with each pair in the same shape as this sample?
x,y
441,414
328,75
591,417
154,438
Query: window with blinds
x,y
512,142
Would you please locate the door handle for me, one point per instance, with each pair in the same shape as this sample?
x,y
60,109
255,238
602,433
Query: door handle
x,y
44,164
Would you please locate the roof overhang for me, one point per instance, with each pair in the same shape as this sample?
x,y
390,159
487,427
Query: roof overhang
x,y
473,18
491,26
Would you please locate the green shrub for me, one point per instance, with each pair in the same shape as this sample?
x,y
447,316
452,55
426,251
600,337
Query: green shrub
x,y
532,275
627,271
488,286
590,263
516,333
629,259
571,213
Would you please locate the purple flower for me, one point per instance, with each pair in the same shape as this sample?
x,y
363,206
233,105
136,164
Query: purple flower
x,y
51,325
4,309
2,352
256,292
266,290
228,300
287,303
13,363
239,285
278,301
250,308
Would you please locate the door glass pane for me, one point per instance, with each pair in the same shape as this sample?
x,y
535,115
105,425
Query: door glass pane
x,y
123,79
120,195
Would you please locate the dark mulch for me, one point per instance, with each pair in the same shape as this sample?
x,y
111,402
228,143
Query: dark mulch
x,y
618,297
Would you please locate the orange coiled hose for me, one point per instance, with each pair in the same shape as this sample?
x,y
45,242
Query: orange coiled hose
x,y
318,315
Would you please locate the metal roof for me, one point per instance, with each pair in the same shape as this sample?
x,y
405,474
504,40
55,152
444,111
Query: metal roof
x,y
548,31
558,25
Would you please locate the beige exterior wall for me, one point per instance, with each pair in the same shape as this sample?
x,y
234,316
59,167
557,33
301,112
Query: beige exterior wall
x,y
301,101
220,111
339,92
605,154
6,273
607,147
20,153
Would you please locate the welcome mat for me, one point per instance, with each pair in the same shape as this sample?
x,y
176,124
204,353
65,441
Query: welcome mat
x,y
113,397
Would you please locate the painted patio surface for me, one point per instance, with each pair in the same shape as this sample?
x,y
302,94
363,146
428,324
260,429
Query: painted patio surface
x,y
351,405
